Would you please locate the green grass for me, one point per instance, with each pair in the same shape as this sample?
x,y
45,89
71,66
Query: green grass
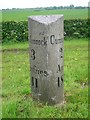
x,y
16,95
21,15
15,45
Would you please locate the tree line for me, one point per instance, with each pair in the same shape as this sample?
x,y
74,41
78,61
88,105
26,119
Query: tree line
x,y
53,7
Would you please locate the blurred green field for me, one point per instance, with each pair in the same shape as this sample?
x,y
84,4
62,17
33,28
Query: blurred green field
x,y
22,15
16,93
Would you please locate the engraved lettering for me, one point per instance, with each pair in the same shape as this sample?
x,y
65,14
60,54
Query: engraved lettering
x,y
58,82
45,73
39,72
58,70
62,78
39,42
61,50
52,39
33,54
36,82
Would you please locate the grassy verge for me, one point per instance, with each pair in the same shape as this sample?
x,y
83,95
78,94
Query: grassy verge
x,y
22,15
16,95
15,45
25,45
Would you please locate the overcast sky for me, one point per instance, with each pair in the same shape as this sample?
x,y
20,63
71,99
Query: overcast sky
x,y
40,3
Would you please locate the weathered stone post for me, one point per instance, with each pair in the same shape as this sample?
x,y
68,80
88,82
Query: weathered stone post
x,y
46,57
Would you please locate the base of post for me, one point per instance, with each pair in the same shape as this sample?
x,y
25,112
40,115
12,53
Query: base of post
x,y
38,100
60,104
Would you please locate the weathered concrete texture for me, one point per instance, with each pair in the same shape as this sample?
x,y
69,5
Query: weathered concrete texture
x,y
46,57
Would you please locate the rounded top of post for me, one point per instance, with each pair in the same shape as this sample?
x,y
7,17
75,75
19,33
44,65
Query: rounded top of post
x,y
46,19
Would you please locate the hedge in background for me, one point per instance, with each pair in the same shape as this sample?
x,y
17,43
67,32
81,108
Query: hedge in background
x,y
18,31
77,28
14,31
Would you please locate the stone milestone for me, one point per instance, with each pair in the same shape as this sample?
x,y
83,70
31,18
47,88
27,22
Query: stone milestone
x,y
46,58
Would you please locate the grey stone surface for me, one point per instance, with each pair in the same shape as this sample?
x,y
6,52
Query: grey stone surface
x,y
46,57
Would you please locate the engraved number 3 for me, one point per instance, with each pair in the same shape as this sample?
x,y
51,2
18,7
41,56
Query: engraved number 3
x,y
33,54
